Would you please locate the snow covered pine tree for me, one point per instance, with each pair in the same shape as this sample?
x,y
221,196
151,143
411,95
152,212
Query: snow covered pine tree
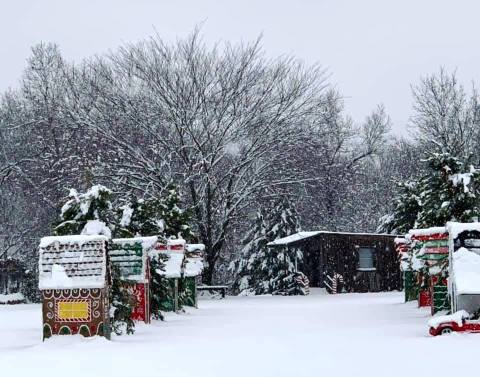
x,y
449,191
161,217
264,270
91,213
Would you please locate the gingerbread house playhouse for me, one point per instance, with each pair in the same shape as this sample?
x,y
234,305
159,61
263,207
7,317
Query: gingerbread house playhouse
x,y
430,245
173,252
130,255
74,282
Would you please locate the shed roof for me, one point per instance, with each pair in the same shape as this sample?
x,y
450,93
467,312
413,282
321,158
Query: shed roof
x,y
300,236
72,262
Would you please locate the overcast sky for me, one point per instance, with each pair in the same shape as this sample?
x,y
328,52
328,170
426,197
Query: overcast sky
x,y
373,49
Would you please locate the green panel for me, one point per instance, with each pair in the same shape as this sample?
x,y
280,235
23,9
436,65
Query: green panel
x,y
128,258
410,286
190,291
437,257
440,298
435,243
170,303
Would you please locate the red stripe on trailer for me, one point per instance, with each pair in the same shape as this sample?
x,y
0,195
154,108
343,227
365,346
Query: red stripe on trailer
x,y
431,237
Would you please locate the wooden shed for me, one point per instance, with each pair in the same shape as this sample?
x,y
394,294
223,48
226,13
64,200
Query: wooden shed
x,y
12,275
130,255
346,262
74,282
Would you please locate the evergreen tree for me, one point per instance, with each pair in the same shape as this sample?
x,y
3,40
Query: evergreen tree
x,y
176,220
245,266
266,270
449,191
161,217
159,286
80,209
122,300
405,210
91,213
155,216
139,217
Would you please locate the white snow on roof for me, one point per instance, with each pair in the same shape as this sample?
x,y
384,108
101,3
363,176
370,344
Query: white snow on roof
x,y
454,229
173,265
176,241
399,240
72,262
193,267
71,240
147,242
428,231
466,267
303,235
195,246
293,238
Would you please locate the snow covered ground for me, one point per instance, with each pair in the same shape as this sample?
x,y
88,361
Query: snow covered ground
x,y
318,335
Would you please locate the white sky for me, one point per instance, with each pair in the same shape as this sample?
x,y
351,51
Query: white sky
x,y
374,49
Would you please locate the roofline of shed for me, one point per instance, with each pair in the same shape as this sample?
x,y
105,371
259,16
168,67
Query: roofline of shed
x,y
273,244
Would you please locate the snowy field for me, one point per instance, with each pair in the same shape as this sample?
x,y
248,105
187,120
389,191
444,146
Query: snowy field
x,y
318,335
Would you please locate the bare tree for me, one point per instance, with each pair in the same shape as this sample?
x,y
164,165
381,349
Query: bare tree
x,y
446,117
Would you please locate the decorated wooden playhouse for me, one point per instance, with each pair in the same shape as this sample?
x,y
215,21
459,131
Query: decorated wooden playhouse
x,y
74,284
174,252
130,256
464,266
402,246
192,271
430,249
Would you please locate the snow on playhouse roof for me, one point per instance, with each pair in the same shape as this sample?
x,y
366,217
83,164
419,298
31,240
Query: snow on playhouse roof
x,y
130,255
304,235
175,250
72,262
427,231
194,259
454,228
466,266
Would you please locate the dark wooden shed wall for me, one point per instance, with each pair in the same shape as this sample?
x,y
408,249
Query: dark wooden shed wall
x,y
330,253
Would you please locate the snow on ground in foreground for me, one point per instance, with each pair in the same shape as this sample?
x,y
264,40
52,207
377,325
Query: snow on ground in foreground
x,y
318,335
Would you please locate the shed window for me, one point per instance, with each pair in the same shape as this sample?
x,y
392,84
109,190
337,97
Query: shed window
x,y
365,259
